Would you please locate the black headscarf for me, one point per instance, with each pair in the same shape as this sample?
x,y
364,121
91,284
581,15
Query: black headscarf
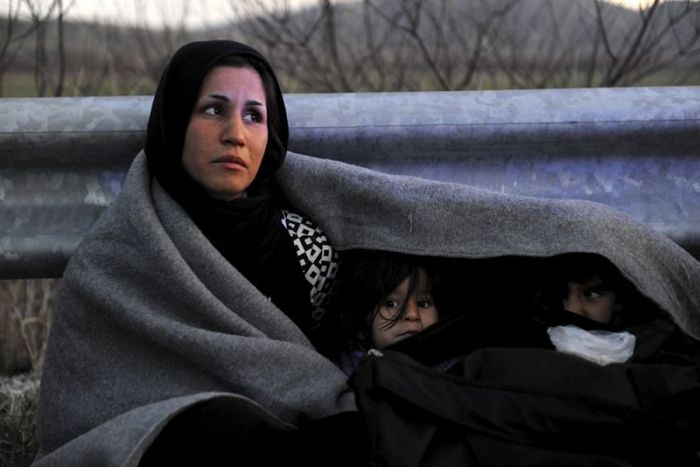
x,y
172,107
247,231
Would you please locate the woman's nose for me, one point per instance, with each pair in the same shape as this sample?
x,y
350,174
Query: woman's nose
x,y
232,132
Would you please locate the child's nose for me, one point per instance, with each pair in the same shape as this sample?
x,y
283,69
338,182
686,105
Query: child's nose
x,y
412,312
574,304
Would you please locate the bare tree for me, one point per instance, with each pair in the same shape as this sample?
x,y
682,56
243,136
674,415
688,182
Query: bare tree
x,y
538,45
449,44
48,20
139,49
650,45
376,45
14,34
288,43
617,47
408,44
315,50
88,63
409,21
448,39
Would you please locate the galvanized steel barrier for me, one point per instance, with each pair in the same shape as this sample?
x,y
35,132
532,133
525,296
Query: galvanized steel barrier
x,y
63,160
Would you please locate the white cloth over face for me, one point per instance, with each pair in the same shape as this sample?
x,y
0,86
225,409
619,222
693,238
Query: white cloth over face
x,y
602,347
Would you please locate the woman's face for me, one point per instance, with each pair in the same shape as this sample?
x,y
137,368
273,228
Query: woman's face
x,y
419,312
227,134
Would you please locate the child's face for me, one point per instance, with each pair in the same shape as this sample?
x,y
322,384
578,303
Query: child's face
x,y
591,300
419,313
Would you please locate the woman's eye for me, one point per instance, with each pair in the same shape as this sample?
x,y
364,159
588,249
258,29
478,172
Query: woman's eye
x,y
212,110
253,117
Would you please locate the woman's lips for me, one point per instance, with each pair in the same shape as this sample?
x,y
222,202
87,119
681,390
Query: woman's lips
x,y
231,162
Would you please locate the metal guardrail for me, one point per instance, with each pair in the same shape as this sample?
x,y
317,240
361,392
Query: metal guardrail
x,y
63,160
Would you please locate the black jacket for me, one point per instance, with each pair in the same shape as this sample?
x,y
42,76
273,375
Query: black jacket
x,y
501,406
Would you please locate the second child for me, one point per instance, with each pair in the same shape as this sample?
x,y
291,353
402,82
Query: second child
x,y
381,299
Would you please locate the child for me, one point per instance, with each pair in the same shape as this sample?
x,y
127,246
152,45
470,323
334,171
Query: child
x,y
380,299
589,291
587,304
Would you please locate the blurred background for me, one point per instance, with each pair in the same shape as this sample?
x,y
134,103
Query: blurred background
x,y
51,48
88,47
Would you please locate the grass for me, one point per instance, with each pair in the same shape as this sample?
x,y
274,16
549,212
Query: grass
x,y
25,318
18,397
21,84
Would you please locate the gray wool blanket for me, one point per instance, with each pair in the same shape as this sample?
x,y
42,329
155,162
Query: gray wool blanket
x,y
152,320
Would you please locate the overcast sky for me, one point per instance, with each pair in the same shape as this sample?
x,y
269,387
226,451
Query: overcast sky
x,y
157,12
198,13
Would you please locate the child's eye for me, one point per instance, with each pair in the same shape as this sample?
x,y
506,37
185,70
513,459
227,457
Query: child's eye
x,y
389,308
593,293
425,304
390,303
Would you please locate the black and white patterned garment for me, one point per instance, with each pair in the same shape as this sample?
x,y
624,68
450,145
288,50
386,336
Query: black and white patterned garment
x,y
318,259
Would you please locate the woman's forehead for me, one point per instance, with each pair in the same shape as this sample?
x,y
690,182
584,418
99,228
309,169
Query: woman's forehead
x,y
223,79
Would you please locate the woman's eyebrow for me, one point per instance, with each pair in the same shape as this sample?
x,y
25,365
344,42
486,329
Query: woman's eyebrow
x,y
221,97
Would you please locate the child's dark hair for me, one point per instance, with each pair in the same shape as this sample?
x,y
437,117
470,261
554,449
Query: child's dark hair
x,y
581,268
365,278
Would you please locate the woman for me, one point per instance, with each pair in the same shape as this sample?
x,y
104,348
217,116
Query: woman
x,y
217,134
169,317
